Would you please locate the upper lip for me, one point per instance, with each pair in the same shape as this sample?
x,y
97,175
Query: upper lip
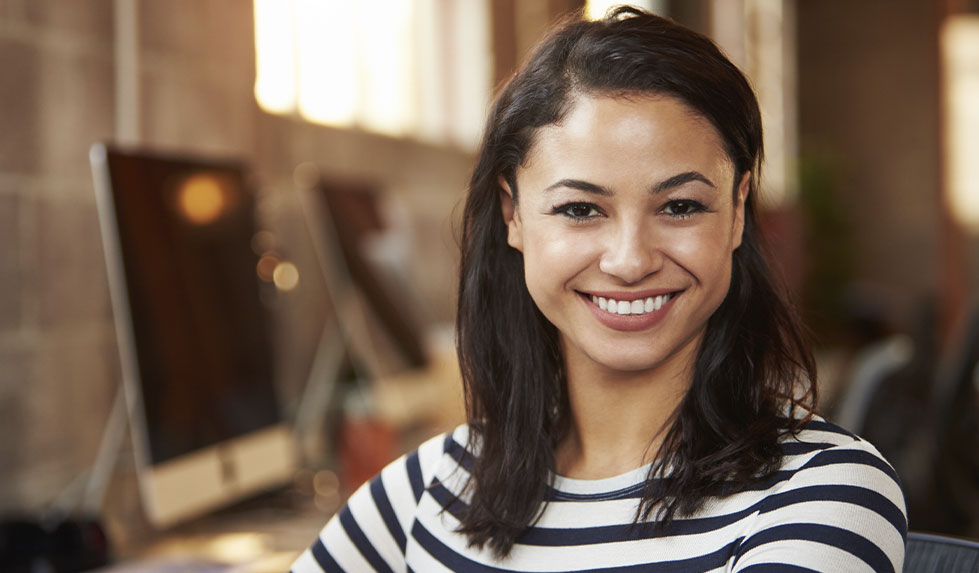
x,y
630,295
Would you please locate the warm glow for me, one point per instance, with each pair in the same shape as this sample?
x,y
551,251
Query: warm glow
x,y
596,9
387,66
471,57
285,276
432,122
266,267
275,46
419,68
237,547
960,44
328,71
201,199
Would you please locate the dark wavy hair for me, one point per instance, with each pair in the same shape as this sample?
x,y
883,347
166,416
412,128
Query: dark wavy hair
x,y
754,377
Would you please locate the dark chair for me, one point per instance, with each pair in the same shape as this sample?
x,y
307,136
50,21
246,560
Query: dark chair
x,y
924,418
956,402
937,554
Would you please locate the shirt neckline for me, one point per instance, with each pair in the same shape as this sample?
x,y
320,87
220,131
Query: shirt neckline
x,y
603,485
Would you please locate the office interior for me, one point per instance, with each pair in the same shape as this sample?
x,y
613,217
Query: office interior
x,y
871,204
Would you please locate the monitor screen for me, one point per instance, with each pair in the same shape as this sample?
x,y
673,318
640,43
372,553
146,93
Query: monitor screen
x,y
178,234
202,342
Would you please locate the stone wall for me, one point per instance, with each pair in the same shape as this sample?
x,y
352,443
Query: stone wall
x,y
58,368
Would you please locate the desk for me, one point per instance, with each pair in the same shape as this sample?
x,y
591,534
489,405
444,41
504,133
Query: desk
x,y
261,535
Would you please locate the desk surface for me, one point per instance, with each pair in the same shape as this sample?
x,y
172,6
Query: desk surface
x,y
264,534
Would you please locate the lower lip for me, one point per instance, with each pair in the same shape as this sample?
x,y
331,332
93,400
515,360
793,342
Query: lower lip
x,y
629,322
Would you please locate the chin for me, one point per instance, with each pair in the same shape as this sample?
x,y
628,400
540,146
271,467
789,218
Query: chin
x,y
646,355
632,364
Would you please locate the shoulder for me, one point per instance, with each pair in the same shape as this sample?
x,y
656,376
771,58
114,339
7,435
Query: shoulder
x,y
836,501
825,452
827,462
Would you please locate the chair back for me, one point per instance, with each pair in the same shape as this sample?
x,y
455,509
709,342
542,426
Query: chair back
x,y
928,553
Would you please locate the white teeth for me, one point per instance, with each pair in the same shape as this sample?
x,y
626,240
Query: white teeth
x,y
626,307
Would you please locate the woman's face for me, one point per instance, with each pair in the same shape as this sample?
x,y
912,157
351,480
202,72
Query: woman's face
x,y
627,200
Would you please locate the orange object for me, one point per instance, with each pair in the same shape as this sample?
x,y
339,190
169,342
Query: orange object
x,y
366,446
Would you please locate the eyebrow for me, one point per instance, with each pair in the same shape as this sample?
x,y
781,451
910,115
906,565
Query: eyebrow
x,y
682,179
665,185
581,186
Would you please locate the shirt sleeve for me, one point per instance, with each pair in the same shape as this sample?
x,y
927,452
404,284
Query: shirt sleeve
x,y
843,510
370,532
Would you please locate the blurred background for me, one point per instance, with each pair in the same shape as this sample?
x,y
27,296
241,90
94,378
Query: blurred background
x,y
871,196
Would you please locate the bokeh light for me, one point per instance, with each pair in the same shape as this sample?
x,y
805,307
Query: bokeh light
x,y
285,276
201,199
266,267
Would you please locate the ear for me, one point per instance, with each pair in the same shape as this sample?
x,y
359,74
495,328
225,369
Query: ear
x,y
511,216
737,230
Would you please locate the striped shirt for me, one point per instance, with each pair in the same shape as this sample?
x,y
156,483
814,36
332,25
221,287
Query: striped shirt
x,y
835,505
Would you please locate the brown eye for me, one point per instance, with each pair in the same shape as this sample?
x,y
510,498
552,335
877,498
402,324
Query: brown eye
x,y
681,209
578,211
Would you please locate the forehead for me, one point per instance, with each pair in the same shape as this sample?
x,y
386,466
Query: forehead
x,y
637,135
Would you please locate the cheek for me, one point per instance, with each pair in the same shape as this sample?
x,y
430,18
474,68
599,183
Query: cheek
x,y
704,251
551,246
551,258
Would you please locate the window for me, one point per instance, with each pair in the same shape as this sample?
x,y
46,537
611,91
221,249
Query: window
x,y
596,9
960,51
403,68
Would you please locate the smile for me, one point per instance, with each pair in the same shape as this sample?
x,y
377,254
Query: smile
x,y
632,307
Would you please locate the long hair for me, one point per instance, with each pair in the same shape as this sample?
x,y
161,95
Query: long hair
x,y
753,371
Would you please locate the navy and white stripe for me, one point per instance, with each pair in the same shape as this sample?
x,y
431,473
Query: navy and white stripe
x,y
835,505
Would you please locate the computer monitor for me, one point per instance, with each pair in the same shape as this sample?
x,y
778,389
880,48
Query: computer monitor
x,y
342,214
193,334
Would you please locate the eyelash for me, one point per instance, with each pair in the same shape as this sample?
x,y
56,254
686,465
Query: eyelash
x,y
693,207
567,211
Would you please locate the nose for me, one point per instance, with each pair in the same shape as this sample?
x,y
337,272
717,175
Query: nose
x,y
630,254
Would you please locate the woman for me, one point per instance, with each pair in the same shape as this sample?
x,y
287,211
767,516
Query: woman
x,y
638,391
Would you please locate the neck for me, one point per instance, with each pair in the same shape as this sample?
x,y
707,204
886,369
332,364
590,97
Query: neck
x,y
618,419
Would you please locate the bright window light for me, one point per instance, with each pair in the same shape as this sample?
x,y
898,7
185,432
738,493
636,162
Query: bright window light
x,y
596,9
433,122
470,64
387,55
275,67
419,68
960,47
328,71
